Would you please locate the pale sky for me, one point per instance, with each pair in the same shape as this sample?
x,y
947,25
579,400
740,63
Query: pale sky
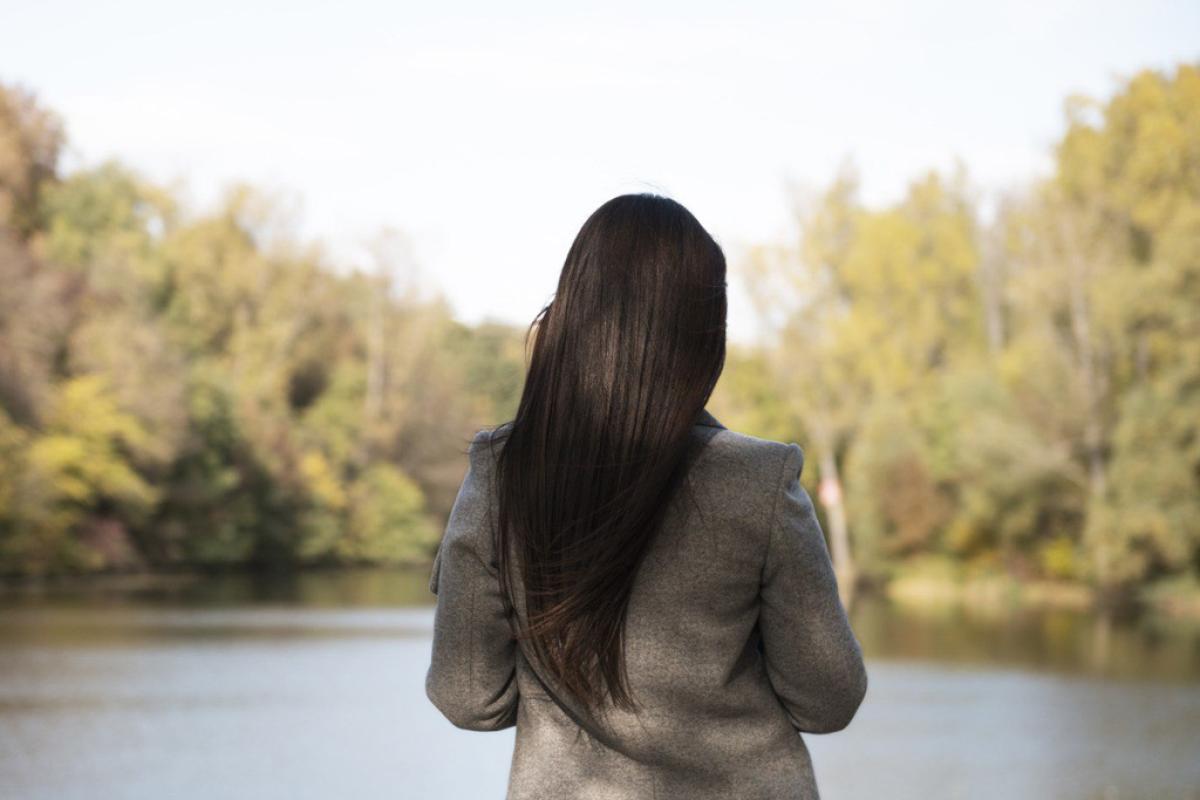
x,y
488,132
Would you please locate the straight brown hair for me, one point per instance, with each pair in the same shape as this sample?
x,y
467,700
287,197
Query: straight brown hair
x,y
624,359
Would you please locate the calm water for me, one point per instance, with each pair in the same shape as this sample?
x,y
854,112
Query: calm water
x,y
312,687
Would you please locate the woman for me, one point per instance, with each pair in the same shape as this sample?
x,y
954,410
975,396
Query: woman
x,y
645,594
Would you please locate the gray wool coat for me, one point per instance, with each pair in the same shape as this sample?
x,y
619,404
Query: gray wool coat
x,y
736,643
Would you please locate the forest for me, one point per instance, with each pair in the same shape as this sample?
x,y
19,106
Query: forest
x,y
1012,394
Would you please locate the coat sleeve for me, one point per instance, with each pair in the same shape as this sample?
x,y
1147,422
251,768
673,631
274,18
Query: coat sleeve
x,y
472,672
812,657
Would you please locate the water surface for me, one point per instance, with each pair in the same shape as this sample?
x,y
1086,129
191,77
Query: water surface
x,y
313,687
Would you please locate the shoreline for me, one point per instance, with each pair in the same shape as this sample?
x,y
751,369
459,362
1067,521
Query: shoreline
x,y
245,582
1177,598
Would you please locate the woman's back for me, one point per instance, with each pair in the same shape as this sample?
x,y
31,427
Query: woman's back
x,y
735,640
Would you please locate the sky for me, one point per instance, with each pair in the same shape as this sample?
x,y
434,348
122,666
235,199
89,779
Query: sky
x,y
486,133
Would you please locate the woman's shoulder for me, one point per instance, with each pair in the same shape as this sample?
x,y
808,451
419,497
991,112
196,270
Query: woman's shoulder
x,y
732,451
752,454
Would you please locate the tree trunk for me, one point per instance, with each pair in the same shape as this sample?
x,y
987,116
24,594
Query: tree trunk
x,y
832,499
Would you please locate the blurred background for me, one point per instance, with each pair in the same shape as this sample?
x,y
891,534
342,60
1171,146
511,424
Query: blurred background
x,y
265,269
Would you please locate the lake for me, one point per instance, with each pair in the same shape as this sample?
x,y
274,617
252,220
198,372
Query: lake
x,y
312,686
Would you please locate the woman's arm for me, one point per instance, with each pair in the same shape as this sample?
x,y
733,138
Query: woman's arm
x,y
812,657
472,677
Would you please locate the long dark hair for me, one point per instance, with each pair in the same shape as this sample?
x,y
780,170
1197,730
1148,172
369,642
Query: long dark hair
x,y
624,359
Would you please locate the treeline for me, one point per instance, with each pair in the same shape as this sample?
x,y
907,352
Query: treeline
x,y
182,389
1016,395
1019,395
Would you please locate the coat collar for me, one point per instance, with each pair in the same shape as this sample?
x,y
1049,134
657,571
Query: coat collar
x,y
707,419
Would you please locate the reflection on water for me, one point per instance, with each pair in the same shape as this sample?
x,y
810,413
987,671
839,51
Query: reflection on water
x,y
312,686
1055,640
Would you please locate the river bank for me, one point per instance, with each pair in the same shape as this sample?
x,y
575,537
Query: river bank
x,y
400,585
940,584
925,585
